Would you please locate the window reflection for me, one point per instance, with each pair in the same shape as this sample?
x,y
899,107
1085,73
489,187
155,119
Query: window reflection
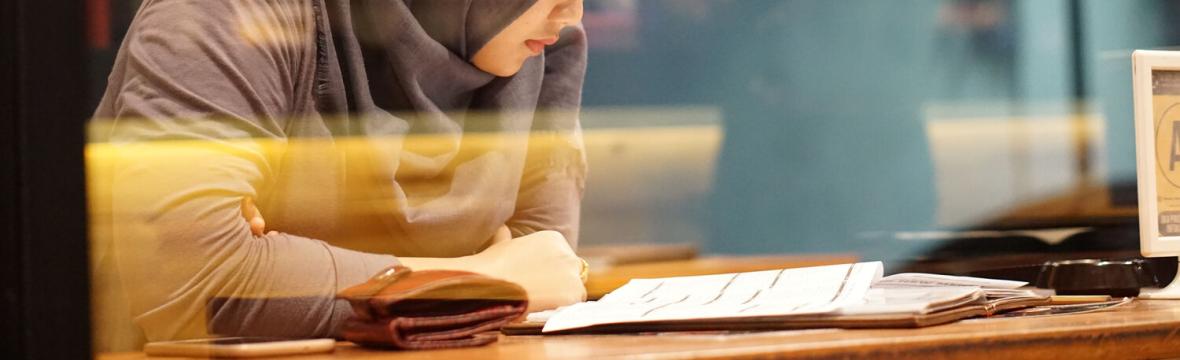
x,y
881,129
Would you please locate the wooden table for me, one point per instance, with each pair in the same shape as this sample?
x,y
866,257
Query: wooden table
x,y
1143,329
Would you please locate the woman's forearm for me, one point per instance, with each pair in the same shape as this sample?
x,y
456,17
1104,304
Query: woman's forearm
x,y
466,263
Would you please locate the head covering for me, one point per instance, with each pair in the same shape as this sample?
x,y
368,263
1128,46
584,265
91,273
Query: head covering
x,y
465,26
405,70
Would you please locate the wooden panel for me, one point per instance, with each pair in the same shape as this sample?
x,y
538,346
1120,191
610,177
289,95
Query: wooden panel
x,y
11,308
1144,329
44,68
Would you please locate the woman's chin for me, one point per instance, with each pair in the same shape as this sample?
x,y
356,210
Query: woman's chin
x,y
499,68
502,71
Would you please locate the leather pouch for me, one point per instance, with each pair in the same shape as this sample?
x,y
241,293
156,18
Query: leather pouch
x,y
432,309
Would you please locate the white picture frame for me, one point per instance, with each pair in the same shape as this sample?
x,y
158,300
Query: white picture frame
x,y
1153,241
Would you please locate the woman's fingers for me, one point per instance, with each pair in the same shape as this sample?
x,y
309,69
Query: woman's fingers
x,y
258,225
253,216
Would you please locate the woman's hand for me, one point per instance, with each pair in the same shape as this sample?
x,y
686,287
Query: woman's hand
x,y
543,263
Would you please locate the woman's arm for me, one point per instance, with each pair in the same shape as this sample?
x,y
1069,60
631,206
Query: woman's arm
x,y
517,260
201,94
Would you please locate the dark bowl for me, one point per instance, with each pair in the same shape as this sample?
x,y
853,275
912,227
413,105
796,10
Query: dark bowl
x,y
1097,277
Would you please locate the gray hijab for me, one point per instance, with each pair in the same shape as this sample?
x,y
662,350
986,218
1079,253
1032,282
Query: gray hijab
x,y
465,26
405,70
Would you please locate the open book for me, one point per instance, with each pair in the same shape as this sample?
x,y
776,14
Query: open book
x,y
850,296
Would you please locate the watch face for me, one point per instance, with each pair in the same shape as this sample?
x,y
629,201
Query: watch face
x,y
1165,102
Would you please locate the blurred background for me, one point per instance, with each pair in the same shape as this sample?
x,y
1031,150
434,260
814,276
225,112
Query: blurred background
x,y
904,131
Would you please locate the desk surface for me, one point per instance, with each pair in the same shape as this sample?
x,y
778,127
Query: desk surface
x,y
1143,329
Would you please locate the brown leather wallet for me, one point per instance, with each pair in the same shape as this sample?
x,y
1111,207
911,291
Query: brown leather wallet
x,y
432,309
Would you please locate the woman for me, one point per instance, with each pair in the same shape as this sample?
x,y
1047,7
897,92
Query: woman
x,y
306,108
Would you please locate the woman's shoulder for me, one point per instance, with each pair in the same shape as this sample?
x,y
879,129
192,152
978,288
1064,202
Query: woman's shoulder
x,y
284,25
251,60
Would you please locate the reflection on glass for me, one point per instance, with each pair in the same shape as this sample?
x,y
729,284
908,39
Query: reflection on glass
x,y
922,133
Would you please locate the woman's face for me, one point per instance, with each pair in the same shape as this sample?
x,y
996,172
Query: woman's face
x,y
527,36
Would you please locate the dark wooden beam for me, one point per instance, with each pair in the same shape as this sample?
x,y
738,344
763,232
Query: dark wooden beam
x,y
45,109
10,249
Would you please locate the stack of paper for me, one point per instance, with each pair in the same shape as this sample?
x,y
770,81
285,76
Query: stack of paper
x,y
851,295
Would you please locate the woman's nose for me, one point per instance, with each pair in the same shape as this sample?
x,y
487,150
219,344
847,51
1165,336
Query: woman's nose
x,y
568,14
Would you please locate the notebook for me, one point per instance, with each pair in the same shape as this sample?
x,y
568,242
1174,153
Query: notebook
x,y
846,296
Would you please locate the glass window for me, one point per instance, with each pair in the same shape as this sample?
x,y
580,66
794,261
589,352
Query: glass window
x,y
936,135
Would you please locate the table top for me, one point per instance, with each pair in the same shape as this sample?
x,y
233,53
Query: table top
x,y
1142,329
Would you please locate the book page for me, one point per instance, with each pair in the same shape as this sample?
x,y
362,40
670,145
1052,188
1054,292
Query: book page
x,y
910,280
917,300
813,290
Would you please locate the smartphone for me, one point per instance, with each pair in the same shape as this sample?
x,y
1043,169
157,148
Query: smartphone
x,y
239,347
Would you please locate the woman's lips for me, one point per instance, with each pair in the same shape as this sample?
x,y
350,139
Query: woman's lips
x,y
538,45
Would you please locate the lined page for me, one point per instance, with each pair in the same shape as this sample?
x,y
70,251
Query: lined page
x,y
813,290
